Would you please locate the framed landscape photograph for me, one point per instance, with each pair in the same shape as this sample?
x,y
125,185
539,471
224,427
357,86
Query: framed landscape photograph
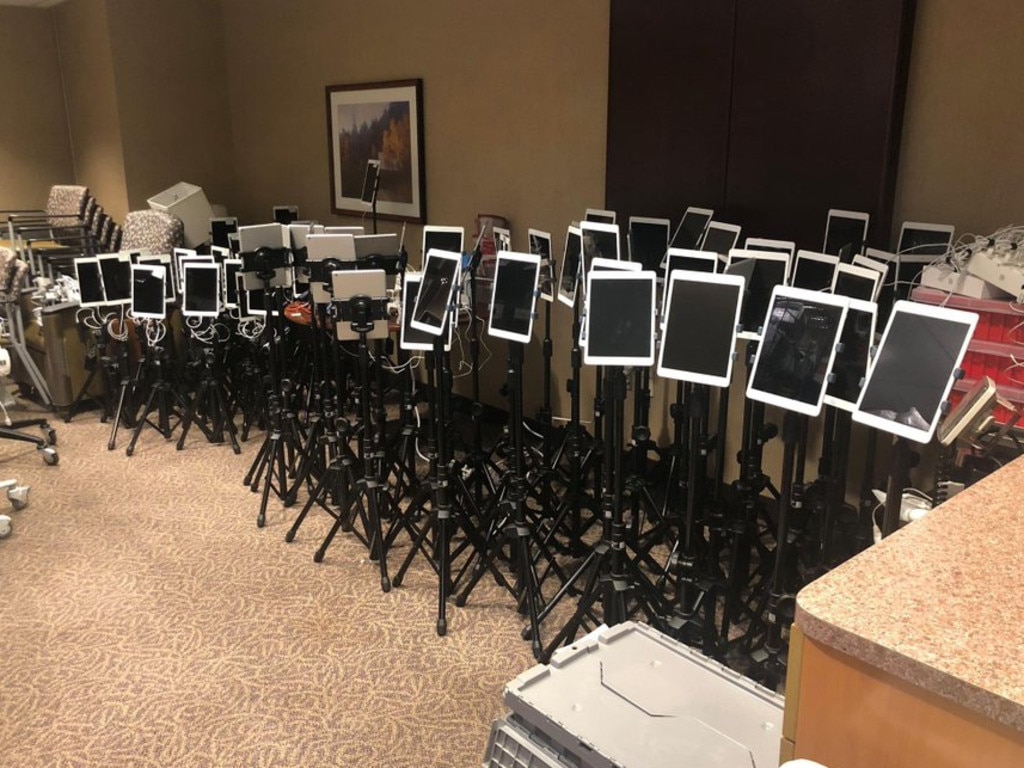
x,y
380,122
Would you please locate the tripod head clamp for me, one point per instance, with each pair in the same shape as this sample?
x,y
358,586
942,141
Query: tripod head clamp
x,y
264,260
361,312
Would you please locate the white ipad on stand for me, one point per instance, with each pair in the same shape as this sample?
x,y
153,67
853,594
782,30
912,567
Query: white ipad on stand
x,y
912,374
701,317
514,299
797,349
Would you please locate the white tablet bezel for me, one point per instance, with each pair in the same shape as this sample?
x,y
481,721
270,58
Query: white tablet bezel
x,y
603,214
812,297
708,215
189,266
341,231
408,346
436,253
864,273
440,229
699,277
163,260
234,277
687,253
157,270
505,257
570,299
823,258
622,266
909,257
123,257
839,213
721,226
968,319
613,274
855,305
505,241
769,246
608,229
542,235
99,273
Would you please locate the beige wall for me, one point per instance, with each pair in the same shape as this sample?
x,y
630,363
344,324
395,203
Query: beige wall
x,y
171,96
34,148
514,107
91,95
962,157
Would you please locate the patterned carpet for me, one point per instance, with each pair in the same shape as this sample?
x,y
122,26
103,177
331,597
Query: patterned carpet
x,y
146,621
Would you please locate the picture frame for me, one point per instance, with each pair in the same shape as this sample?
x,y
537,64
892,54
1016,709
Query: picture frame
x,y
384,122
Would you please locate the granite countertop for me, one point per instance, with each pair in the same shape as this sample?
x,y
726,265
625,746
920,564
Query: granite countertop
x,y
940,604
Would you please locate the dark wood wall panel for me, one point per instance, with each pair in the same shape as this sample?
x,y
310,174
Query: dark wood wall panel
x,y
769,112
668,105
817,105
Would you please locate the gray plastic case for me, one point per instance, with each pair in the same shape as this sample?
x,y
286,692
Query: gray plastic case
x,y
631,697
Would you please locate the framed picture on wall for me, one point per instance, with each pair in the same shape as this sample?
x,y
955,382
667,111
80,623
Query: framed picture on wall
x,y
382,123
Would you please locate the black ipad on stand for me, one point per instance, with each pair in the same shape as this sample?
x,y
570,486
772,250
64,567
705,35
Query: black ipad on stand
x,y
845,234
856,343
648,242
814,271
762,271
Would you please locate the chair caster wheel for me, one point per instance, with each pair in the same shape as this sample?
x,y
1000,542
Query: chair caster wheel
x,y
460,601
385,584
18,496
51,435
318,556
129,451
397,581
289,537
527,633
442,627
50,457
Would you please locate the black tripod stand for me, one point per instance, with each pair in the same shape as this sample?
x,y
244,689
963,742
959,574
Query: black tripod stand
x,y
163,397
271,462
362,312
209,407
607,573
693,616
433,497
527,586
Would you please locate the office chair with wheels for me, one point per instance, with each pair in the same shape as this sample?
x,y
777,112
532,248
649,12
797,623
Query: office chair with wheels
x,y
12,275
